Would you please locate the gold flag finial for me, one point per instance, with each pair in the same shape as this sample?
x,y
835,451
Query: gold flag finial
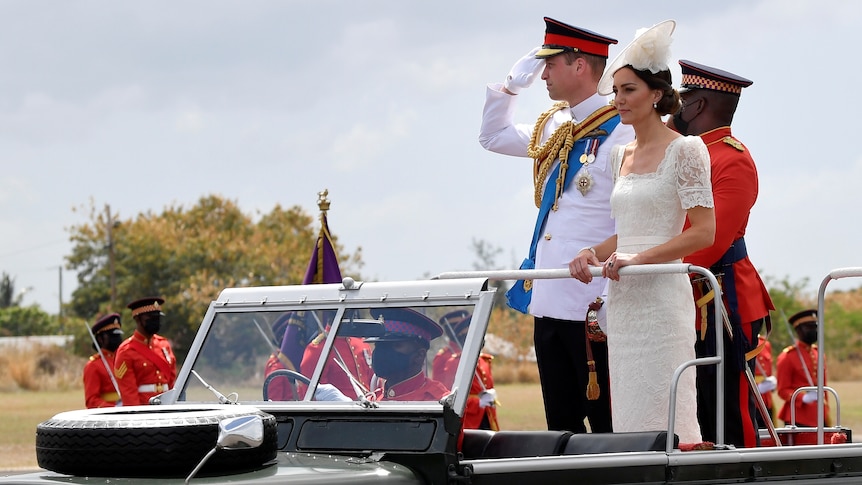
x,y
322,201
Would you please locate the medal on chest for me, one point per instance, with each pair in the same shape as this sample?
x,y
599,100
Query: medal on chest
x,y
584,181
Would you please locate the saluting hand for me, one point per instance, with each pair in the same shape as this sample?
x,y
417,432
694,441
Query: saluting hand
x,y
524,72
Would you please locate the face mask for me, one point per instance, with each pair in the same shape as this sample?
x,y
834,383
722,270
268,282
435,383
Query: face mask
x,y
153,324
809,335
386,361
114,341
680,124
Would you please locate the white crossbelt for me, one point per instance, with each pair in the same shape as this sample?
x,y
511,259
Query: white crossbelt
x,y
153,388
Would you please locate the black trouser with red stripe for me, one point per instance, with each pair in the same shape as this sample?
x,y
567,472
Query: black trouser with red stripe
x,y
561,355
740,411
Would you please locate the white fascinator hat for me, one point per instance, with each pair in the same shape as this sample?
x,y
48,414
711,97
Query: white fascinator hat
x,y
650,50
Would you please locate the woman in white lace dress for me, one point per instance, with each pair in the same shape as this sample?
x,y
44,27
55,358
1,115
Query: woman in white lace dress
x,y
660,178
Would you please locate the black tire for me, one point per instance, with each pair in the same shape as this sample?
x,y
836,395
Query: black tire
x,y
146,441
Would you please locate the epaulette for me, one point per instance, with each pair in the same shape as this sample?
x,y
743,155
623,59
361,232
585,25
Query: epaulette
x,y
734,143
92,358
320,338
787,349
487,357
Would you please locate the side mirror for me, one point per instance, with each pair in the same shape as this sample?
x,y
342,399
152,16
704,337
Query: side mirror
x,y
234,434
240,432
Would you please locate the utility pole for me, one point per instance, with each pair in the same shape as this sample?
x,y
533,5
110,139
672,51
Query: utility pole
x,y
60,314
110,230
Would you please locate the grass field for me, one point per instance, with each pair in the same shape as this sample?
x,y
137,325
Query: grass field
x,y
520,409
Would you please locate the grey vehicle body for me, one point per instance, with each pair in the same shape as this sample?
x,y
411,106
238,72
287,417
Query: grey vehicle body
x,y
366,440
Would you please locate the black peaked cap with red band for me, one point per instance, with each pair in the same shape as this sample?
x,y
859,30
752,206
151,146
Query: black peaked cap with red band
x,y
560,37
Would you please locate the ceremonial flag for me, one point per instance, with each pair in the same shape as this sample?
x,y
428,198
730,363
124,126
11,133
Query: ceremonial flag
x,y
323,268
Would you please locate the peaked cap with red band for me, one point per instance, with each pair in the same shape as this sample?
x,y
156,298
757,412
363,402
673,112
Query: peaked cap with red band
x,y
699,76
405,324
146,305
560,37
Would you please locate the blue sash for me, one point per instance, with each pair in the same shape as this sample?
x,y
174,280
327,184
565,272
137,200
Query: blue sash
x,y
519,295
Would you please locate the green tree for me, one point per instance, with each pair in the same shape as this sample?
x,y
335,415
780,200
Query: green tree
x,y
18,321
842,318
788,298
8,298
486,255
187,256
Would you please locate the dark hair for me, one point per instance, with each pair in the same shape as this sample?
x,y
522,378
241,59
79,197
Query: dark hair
x,y
669,102
597,63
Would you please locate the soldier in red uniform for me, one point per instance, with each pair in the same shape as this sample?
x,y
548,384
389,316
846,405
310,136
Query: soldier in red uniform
x,y
352,352
766,381
99,390
282,388
399,356
709,100
481,410
145,365
797,367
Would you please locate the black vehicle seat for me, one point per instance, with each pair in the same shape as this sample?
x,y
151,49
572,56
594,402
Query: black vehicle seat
x,y
589,443
474,442
521,444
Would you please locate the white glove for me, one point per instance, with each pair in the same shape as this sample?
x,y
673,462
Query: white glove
x,y
809,397
524,72
328,392
487,398
767,385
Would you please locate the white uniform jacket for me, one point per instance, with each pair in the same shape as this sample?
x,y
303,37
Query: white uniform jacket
x,y
580,220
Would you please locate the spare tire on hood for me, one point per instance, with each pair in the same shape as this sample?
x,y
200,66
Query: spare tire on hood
x,y
147,441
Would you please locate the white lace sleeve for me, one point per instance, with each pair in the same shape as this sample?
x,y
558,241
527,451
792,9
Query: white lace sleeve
x,y
694,185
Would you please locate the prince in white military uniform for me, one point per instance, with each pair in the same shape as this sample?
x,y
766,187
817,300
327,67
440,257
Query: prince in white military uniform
x,y
571,61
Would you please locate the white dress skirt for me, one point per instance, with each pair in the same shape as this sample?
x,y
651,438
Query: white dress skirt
x,y
651,317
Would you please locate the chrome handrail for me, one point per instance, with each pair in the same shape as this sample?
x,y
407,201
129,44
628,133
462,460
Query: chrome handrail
x,y
644,269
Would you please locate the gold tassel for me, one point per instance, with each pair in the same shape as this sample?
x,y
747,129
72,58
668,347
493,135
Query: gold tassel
x,y
593,386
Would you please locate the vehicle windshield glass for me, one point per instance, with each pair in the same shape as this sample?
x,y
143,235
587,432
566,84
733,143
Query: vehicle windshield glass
x,y
341,354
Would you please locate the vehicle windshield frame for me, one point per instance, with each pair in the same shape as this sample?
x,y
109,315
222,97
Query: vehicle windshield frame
x,y
431,297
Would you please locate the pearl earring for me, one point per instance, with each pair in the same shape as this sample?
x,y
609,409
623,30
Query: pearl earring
x,y
655,106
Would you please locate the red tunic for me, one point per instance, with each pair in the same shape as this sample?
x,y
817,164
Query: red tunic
x,y
99,391
734,190
416,388
355,354
444,366
279,389
138,371
791,376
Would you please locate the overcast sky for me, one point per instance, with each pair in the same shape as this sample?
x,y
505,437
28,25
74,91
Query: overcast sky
x,y
142,105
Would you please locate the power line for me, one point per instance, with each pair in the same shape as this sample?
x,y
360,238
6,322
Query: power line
x,y
33,248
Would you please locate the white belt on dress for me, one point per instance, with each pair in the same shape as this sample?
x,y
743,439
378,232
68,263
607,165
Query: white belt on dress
x,y
641,241
153,388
